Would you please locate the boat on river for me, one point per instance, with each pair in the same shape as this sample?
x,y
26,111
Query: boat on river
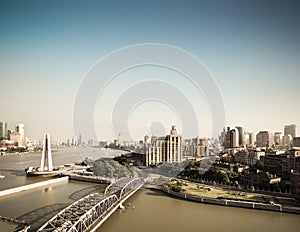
x,y
31,171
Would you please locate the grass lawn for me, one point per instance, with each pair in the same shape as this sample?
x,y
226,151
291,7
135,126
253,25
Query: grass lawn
x,y
202,190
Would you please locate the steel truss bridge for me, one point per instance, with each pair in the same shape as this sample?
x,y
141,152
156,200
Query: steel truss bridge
x,y
92,210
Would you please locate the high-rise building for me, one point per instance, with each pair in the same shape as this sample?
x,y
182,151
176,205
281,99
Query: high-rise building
x,y
262,139
287,140
153,155
187,148
20,128
249,141
15,138
234,138
3,131
174,144
199,147
278,138
241,136
79,140
166,149
290,130
227,138
296,142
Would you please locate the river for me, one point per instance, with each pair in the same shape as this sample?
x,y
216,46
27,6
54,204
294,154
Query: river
x,y
146,211
12,166
154,211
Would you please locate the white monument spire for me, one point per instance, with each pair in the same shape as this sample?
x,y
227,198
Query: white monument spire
x,y
46,155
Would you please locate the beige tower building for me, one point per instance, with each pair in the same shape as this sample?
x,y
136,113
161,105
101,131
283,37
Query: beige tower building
x,y
165,149
20,128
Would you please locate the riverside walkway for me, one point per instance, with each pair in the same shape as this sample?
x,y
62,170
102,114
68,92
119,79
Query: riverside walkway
x,y
88,213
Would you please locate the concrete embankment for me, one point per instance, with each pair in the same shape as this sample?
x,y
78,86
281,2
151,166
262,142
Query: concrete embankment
x,y
225,202
33,186
93,179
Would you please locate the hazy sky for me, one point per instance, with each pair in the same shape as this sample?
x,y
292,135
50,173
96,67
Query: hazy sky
x,y
251,48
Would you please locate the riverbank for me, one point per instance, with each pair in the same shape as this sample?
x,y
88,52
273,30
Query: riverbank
x,y
92,179
226,202
33,186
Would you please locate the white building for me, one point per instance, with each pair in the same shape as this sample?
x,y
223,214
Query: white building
x,y
20,128
164,149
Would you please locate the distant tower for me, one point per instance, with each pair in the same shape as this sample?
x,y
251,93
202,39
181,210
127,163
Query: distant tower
x,y
79,140
174,145
46,155
263,139
234,138
146,139
119,139
173,131
20,128
290,130
3,131
241,136
278,138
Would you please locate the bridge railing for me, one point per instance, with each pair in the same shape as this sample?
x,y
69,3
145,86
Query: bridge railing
x,y
86,220
82,214
115,186
65,218
131,185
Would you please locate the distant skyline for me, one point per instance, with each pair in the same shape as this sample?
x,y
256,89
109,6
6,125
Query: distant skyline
x,y
251,48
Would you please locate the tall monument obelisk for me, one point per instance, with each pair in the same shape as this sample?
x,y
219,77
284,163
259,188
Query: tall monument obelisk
x,y
46,161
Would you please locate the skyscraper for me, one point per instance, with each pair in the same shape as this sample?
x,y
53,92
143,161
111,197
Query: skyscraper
x,y
290,130
20,128
173,146
249,140
278,138
262,139
241,136
166,149
234,138
227,138
199,146
3,131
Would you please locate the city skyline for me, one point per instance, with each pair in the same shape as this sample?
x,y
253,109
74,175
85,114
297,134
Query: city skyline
x,y
287,130
251,49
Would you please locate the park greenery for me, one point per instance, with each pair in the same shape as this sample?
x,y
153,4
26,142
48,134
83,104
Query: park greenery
x,y
219,175
110,168
204,170
208,191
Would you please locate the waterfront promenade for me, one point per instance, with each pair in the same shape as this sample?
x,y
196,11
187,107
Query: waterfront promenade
x,y
271,206
33,186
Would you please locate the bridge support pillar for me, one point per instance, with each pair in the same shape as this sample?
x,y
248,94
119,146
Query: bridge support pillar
x,y
122,207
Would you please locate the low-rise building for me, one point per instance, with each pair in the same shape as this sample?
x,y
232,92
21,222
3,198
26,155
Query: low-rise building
x,y
248,157
295,183
260,178
16,138
282,164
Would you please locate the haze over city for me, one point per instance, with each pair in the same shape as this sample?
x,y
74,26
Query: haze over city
x,y
250,48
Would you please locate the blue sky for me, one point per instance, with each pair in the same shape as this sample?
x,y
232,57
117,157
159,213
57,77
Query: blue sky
x,y
251,48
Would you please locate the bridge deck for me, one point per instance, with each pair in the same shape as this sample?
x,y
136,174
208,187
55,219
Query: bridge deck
x,y
82,214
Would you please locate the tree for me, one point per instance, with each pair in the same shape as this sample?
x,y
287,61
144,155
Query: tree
x,y
259,165
236,183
